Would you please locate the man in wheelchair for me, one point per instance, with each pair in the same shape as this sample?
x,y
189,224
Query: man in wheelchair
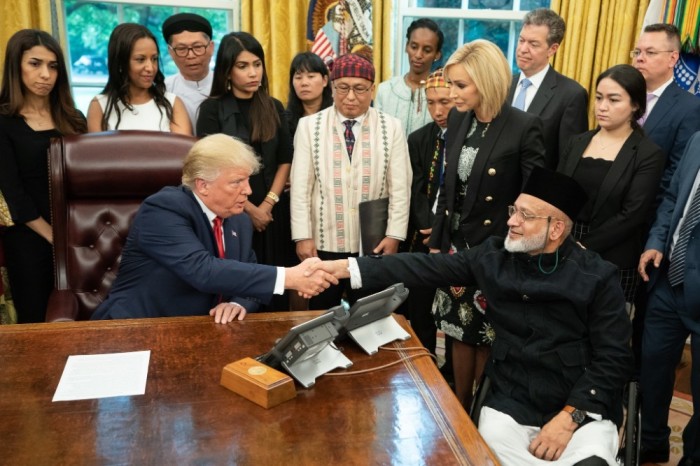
x,y
561,355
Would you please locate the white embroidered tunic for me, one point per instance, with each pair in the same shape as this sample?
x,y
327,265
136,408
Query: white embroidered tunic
x,y
327,185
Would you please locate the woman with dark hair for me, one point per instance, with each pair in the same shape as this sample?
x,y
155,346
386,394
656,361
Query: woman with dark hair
x,y
135,96
35,106
309,88
404,96
620,169
240,105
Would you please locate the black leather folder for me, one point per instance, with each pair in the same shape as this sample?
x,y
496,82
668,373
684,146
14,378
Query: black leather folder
x,y
373,219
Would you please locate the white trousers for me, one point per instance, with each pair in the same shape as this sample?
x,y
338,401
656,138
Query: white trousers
x,y
510,440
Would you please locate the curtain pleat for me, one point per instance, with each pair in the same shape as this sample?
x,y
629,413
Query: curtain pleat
x,y
599,34
280,26
381,35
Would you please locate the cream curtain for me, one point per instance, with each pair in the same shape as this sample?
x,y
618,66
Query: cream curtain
x,y
599,34
381,34
30,14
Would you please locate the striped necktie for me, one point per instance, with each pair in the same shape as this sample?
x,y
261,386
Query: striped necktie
x,y
692,216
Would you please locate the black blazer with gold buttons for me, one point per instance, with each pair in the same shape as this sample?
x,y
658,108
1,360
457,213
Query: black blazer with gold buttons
x,y
512,146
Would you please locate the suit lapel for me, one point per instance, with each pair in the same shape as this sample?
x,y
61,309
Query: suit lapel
x,y
665,104
204,228
454,141
577,149
513,85
231,240
544,94
491,137
617,169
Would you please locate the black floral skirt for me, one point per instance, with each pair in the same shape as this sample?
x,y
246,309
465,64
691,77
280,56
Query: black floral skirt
x,y
461,312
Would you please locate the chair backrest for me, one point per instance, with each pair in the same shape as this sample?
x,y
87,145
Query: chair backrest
x,y
98,181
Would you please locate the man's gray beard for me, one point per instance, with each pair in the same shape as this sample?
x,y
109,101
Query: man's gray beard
x,y
530,244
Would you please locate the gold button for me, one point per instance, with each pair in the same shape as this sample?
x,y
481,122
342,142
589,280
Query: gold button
x,y
487,222
488,198
492,171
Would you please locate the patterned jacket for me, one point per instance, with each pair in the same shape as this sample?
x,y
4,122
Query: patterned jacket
x,y
327,186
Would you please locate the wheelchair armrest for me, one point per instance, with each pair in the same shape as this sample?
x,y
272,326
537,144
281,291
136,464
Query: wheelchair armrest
x,y
478,401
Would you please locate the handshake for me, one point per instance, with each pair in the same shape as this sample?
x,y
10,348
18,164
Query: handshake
x,y
313,276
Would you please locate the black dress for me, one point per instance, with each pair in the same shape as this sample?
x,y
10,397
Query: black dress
x,y
460,311
231,115
24,182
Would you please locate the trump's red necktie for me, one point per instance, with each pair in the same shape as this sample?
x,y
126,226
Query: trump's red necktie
x,y
218,222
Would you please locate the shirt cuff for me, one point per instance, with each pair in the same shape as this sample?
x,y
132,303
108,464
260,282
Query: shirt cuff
x,y
355,276
279,281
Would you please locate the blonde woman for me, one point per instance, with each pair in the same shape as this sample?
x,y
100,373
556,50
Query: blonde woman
x,y
491,148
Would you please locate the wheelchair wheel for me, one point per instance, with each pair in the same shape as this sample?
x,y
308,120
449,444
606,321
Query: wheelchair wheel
x,y
631,435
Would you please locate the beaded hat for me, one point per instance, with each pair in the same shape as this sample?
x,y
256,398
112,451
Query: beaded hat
x,y
436,79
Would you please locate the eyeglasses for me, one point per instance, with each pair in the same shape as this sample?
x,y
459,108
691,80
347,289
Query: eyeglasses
x,y
522,216
636,53
343,89
183,50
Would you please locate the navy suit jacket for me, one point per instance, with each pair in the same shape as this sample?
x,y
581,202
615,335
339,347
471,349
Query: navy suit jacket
x,y
671,123
622,207
669,214
511,148
170,264
562,105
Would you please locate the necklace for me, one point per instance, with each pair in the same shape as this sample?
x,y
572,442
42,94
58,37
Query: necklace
x,y
611,142
475,122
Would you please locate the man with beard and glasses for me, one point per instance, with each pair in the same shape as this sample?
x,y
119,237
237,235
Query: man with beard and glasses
x,y
561,353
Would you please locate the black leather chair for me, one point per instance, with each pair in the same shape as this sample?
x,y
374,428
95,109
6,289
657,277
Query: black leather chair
x,y
98,182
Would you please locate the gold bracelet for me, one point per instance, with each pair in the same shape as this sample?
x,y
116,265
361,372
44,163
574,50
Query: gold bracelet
x,y
273,196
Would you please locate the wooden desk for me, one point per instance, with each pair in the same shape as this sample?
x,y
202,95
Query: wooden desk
x,y
404,415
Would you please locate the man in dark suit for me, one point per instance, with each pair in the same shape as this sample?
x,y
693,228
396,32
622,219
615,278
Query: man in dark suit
x,y
673,311
671,118
560,102
561,354
426,148
189,248
673,115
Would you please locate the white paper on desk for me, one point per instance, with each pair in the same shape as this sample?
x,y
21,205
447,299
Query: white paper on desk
x,y
103,375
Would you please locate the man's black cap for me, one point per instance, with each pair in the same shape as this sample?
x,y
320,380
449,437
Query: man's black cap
x,y
185,22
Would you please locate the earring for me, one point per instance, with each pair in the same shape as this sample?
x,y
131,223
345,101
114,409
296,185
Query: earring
x,y
228,84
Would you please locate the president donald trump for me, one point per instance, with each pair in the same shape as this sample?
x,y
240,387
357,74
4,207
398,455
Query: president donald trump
x,y
189,248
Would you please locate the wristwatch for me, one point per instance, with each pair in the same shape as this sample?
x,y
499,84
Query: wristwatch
x,y
576,414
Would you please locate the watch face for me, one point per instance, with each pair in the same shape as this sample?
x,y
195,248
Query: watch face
x,y
578,416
